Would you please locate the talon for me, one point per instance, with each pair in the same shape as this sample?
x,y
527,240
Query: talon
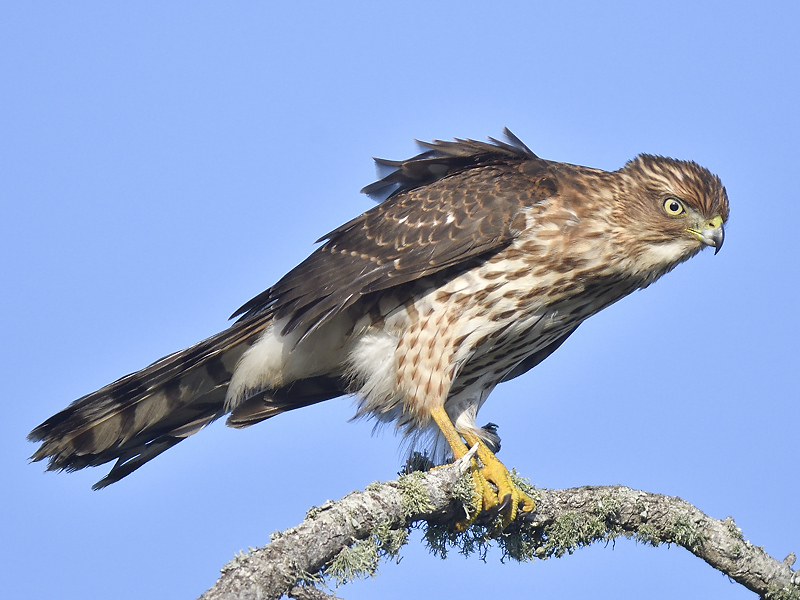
x,y
529,517
505,502
488,514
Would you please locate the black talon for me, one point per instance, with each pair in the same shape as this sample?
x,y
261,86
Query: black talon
x,y
528,517
487,516
504,503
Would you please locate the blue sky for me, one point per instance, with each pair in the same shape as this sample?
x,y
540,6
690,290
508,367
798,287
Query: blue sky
x,y
161,163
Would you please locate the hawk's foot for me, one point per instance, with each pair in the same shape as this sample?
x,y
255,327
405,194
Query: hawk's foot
x,y
498,494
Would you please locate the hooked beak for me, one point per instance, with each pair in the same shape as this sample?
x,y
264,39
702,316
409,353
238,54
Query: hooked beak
x,y
714,237
712,233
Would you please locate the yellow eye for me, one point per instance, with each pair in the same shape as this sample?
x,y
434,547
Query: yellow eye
x,y
674,207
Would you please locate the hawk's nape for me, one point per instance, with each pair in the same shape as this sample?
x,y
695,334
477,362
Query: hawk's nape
x,y
480,260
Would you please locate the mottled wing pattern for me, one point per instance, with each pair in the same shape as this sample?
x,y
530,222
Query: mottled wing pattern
x,y
456,202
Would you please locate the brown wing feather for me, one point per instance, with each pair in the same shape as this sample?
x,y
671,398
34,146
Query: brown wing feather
x,y
457,202
443,158
537,357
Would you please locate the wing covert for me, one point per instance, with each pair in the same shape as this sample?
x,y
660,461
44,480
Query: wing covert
x,y
471,210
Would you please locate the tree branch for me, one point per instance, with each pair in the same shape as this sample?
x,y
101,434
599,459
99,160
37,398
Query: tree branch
x,y
345,539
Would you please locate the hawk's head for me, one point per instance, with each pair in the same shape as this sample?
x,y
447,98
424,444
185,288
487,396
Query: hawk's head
x,y
669,210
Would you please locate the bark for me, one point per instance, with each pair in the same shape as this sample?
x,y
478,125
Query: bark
x,y
344,539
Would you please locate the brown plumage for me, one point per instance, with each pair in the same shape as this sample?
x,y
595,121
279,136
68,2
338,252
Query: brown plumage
x,y
478,263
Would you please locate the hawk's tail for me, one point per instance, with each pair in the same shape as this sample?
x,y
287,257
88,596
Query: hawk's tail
x,y
138,417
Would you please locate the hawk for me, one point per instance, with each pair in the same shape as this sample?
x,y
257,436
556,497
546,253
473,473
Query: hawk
x,y
478,262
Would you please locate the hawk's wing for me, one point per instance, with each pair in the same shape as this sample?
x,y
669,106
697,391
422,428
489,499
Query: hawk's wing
x,y
456,202
537,357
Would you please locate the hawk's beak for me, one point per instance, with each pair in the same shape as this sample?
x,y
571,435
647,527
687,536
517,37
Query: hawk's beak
x,y
714,237
712,233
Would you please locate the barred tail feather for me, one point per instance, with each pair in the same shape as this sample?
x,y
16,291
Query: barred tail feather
x,y
299,393
145,413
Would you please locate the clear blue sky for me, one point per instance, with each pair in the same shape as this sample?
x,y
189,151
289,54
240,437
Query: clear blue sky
x,y
161,163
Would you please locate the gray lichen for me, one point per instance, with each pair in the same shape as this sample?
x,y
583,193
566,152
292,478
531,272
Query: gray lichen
x,y
684,532
360,560
415,498
791,592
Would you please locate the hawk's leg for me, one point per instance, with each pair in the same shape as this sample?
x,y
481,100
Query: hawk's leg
x,y
493,476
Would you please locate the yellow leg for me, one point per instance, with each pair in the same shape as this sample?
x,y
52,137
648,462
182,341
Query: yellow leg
x,y
508,497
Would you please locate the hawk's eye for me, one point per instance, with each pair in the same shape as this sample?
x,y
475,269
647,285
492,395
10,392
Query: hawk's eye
x,y
674,207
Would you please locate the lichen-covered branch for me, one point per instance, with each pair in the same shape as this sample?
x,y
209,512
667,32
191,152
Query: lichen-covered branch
x,y
343,540
578,516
